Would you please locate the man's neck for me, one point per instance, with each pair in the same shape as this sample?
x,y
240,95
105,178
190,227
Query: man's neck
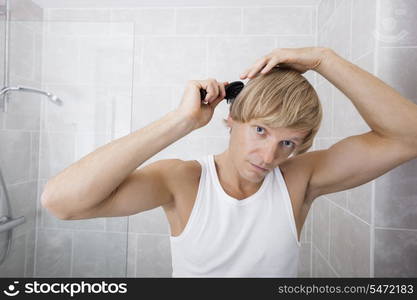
x,y
230,178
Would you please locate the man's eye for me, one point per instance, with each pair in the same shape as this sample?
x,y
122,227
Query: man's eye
x,y
260,128
290,145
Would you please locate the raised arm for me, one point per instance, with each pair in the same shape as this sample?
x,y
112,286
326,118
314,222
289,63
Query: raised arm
x,y
357,159
105,182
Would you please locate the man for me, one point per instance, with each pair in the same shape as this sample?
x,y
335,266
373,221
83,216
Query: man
x,y
240,213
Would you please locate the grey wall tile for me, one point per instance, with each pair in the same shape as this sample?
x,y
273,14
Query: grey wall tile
x,y
278,20
349,244
131,254
150,104
395,253
363,27
397,23
325,10
307,228
320,266
30,252
14,265
153,256
53,253
395,197
208,20
15,156
228,57
346,118
147,20
118,224
77,15
395,69
321,225
25,10
56,153
304,264
150,221
23,111
173,60
23,203
97,254
324,91
360,201
336,33
34,156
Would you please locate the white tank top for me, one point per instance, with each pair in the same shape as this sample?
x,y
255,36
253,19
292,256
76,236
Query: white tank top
x,y
227,237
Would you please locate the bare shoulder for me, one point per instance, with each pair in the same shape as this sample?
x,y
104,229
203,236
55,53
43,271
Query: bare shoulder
x,y
184,176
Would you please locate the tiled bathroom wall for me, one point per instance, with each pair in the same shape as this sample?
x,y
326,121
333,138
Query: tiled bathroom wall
x,y
395,208
90,66
19,135
368,231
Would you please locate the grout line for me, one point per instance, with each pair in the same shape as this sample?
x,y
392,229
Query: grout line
x,y
175,22
332,120
311,243
330,228
207,54
375,71
241,21
329,18
100,231
351,30
372,232
347,211
328,263
395,47
130,129
41,130
175,7
399,228
72,255
136,255
363,55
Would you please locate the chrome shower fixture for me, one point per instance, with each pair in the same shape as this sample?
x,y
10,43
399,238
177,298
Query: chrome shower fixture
x,y
5,90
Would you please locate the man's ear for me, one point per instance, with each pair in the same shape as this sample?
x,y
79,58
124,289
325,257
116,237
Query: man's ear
x,y
229,121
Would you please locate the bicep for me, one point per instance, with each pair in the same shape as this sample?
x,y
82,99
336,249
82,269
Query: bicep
x,y
145,188
356,160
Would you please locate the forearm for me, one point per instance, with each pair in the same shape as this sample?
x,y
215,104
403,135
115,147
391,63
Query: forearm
x,y
87,182
382,107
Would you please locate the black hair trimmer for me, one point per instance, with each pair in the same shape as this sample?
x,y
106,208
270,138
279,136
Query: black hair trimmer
x,y
232,90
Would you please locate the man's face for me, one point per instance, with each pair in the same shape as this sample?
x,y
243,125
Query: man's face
x,y
254,143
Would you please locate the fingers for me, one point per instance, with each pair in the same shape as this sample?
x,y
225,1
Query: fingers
x,y
221,96
266,63
255,69
215,90
271,63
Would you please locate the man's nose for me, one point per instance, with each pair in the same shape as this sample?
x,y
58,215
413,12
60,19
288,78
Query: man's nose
x,y
269,154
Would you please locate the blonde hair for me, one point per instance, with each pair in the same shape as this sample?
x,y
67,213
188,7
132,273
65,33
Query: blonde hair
x,y
280,98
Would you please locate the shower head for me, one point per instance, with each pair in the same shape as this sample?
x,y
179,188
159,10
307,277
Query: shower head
x,y
53,98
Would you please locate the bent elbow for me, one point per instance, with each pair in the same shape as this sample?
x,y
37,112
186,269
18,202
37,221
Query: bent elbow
x,y
52,207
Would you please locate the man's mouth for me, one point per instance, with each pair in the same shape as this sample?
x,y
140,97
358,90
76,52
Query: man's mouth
x,y
259,168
